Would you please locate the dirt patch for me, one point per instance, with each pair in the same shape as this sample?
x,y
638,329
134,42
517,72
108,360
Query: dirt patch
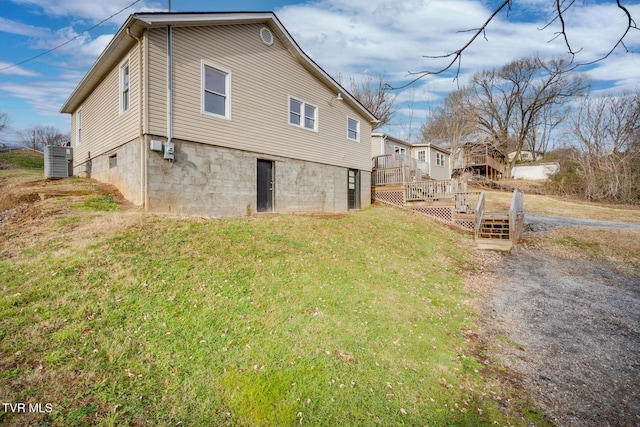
x,y
36,210
568,325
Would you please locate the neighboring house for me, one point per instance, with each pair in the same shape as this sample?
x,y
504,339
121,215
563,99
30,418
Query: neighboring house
x,y
479,159
219,114
431,160
382,144
437,160
525,156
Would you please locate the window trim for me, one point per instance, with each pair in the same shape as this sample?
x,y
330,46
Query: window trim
x,y
421,151
398,149
122,90
302,114
227,87
440,159
357,130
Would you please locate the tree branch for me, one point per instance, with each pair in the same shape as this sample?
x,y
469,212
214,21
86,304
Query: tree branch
x,y
561,8
456,55
631,24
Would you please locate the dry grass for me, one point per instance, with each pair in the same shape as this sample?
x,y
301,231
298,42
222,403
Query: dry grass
x,y
555,206
619,247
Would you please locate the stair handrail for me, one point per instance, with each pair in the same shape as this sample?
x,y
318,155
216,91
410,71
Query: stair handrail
x,y
479,214
516,216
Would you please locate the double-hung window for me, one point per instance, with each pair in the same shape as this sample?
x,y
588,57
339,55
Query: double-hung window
x,y
216,91
124,87
353,129
440,159
422,155
303,114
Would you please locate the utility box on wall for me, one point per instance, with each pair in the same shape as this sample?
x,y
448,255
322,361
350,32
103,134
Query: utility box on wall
x,y
57,161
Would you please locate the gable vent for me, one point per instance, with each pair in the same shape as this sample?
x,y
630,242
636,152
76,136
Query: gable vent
x,y
266,36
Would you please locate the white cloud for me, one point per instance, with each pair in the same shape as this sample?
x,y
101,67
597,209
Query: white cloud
x,y
9,69
15,27
93,11
95,47
77,48
43,96
391,37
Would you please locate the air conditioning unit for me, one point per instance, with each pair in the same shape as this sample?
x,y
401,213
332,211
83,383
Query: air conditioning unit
x,y
57,161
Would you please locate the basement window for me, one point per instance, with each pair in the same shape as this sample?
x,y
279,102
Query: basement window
x,y
113,160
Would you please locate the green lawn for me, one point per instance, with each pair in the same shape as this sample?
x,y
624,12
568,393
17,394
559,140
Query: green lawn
x,y
356,319
23,159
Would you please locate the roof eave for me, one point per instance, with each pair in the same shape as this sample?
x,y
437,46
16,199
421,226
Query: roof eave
x,y
118,46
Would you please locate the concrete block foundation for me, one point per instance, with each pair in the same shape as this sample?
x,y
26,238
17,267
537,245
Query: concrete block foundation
x,y
214,181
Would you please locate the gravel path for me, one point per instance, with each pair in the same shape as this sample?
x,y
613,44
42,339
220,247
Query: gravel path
x,y
571,328
541,223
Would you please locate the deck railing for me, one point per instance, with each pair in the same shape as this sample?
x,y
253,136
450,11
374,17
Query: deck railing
x,y
386,161
429,190
414,169
467,201
389,176
485,160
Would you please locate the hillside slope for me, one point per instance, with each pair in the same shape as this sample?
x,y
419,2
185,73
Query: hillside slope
x,y
113,316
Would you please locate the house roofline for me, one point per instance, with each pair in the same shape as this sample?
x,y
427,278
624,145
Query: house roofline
x,y
137,23
392,138
431,145
418,145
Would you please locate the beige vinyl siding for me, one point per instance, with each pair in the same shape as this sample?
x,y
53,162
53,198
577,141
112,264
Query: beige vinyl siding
x,y
439,172
103,127
262,80
157,90
377,145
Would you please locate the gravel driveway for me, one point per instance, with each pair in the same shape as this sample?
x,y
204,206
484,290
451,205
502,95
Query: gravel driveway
x,y
571,328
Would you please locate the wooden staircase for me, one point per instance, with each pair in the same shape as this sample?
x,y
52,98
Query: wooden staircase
x,y
494,226
493,233
500,231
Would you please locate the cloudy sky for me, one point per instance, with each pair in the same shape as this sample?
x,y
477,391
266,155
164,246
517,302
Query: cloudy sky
x,y
388,38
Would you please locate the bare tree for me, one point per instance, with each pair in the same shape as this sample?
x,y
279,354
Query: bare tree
x,y
374,94
453,122
38,137
511,102
606,132
538,140
4,120
561,8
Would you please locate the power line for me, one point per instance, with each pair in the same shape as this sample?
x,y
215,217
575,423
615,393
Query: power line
x,y
70,40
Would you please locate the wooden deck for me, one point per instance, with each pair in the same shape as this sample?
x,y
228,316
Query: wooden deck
x,y
450,203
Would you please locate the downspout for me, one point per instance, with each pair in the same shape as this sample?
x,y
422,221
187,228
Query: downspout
x,y
169,87
143,146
